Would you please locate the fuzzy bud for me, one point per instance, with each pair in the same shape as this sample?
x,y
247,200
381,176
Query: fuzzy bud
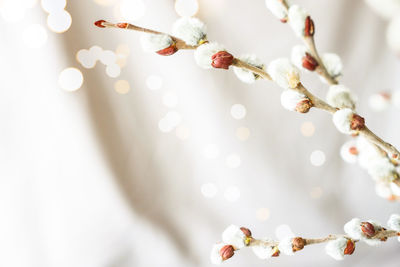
x,y
300,21
394,222
222,60
278,9
347,122
226,252
309,62
340,247
298,243
295,101
349,152
340,96
159,43
191,30
284,73
245,75
204,53
368,229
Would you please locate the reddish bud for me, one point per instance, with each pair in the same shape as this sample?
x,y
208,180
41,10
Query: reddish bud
x,y
385,95
368,229
222,60
309,62
304,106
309,27
298,243
123,25
246,231
226,252
353,150
284,20
99,23
357,123
276,252
168,51
351,246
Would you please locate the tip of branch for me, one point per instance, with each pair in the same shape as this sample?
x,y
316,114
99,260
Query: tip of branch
x,y
99,23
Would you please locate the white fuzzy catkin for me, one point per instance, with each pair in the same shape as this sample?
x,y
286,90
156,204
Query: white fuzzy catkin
x,y
392,34
297,19
298,53
190,30
215,256
234,236
277,8
204,53
333,64
394,222
353,229
290,99
262,251
381,169
383,190
395,188
379,102
385,8
245,75
284,73
342,120
345,152
286,246
367,153
340,96
155,42
335,248
372,241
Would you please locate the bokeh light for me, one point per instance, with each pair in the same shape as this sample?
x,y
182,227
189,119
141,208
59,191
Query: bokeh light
x,y
34,36
242,133
307,129
113,70
209,190
131,10
12,10
238,111
186,8
233,161
86,58
51,6
317,158
122,87
59,21
316,192
70,79
263,214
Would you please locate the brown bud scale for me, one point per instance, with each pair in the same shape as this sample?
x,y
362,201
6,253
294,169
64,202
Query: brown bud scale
x,y
368,229
357,123
222,60
353,150
304,106
246,231
309,62
351,246
168,51
298,243
226,252
99,23
309,27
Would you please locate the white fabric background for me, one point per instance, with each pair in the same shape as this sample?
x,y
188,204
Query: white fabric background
x,y
87,179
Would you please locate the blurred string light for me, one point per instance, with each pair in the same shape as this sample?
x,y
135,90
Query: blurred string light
x,y
58,20
34,36
263,214
317,158
242,133
14,10
88,59
122,87
238,111
70,79
186,8
307,129
209,190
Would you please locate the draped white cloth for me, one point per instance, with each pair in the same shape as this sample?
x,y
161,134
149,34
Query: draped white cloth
x,y
87,179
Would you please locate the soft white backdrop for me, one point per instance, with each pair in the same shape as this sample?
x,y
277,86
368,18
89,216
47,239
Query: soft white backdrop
x,y
88,179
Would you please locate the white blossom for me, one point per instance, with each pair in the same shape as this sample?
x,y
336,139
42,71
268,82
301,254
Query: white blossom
x,y
215,256
155,42
333,64
263,251
335,248
367,153
286,246
284,73
383,190
353,229
234,236
392,34
381,169
349,152
342,120
385,8
379,102
277,8
245,75
290,98
340,96
394,222
297,19
191,30
298,53
204,53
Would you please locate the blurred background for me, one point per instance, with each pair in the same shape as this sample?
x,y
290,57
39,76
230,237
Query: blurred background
x,y
112,157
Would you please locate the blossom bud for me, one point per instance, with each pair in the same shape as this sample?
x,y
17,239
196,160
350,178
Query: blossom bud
x,y
304,106
222,60
246,231
309,62
168,51
350,247
298,243
357,123
99,23
276,252
368,229
226,252
309,27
